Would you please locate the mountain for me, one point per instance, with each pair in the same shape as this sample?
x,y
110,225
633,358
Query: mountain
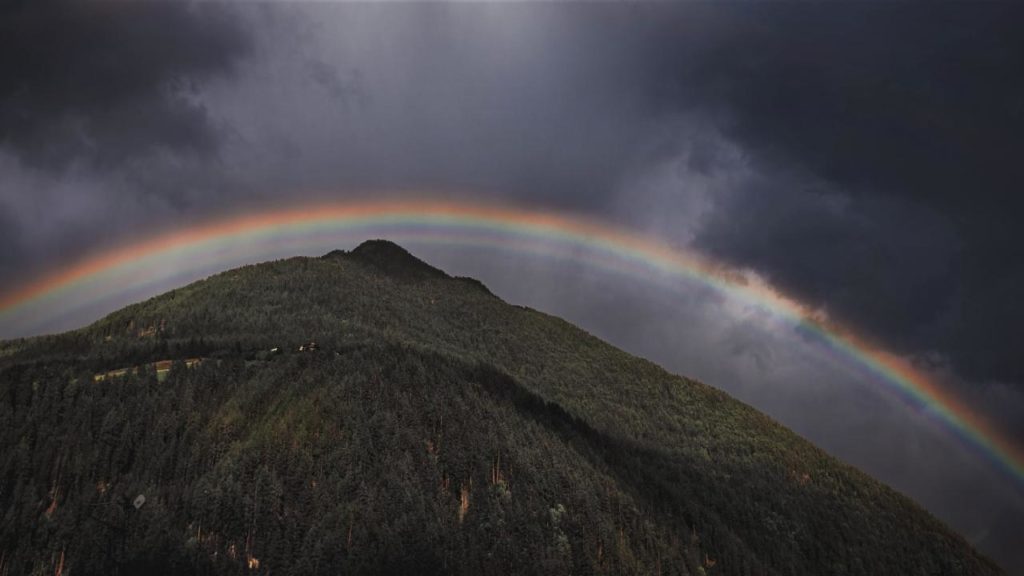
x,y
364,412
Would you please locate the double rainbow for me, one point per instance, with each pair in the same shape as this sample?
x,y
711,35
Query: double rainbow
x,y
140,269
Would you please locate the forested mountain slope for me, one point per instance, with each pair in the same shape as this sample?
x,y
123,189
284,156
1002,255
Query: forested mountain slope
x,y
365,412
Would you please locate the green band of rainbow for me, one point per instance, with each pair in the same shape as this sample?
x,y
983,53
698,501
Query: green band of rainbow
x,y
279,233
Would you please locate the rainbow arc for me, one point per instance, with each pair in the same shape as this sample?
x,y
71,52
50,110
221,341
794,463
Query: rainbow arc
x,y
134,269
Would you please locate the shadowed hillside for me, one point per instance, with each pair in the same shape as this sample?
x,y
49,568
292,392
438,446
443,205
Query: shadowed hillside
x,y
365,412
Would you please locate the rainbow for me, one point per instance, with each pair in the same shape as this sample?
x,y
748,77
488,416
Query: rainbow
x,y
108,279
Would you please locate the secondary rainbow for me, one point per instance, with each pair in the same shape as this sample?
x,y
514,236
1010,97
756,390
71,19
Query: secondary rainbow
x,y
211,246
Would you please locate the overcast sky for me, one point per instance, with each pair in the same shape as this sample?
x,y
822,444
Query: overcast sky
x,y
863,157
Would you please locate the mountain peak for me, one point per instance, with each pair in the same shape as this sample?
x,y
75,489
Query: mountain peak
x,y
380,247
393,260
359,402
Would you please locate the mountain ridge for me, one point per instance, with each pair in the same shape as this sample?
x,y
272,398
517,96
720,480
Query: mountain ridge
x,y
588,458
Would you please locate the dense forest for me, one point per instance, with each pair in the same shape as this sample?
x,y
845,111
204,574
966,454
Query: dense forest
x,y
364,412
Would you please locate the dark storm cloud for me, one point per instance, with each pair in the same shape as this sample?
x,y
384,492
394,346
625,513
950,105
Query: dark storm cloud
x,y
102,131
102,82
913,119
504,99
886,263
877,141
11,237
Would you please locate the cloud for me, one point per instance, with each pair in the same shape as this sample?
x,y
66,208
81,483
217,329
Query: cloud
x,y
860,156
100,82
883,263
103,134
909,118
